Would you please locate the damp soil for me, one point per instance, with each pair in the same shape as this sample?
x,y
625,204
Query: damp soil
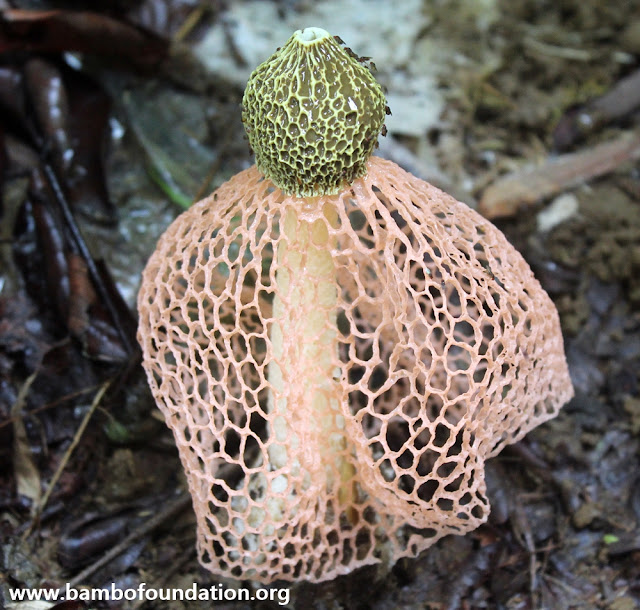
x,y
565,525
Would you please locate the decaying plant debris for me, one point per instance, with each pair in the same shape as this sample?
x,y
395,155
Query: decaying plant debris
x,y
565,526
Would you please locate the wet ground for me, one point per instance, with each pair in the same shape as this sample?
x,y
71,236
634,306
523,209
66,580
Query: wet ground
x,y
497,79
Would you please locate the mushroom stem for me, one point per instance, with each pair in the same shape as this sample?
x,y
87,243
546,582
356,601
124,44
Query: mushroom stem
x,y
304,372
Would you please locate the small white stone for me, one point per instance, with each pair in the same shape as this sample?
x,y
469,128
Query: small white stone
x,y
560,209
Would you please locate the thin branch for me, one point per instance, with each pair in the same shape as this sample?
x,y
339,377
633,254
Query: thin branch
x,y
80,243
67,455
174,508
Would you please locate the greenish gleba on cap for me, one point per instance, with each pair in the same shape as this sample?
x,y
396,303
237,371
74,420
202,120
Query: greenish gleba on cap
x,y
313,114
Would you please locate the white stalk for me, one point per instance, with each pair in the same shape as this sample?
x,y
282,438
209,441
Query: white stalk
x,y
304,372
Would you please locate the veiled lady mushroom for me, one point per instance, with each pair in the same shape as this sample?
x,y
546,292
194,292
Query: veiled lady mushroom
x,y
337,345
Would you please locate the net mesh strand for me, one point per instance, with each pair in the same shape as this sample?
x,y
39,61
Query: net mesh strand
x,y
337,370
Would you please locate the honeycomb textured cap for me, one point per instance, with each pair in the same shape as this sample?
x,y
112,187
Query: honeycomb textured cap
x,y
313,115
336,371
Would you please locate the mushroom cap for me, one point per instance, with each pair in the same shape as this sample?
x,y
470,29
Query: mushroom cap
x,y
313,114
447,349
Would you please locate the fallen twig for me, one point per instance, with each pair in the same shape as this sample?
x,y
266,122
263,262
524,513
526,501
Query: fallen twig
x,y
525,187
175,507
92,267
617,103
54,403
67,455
